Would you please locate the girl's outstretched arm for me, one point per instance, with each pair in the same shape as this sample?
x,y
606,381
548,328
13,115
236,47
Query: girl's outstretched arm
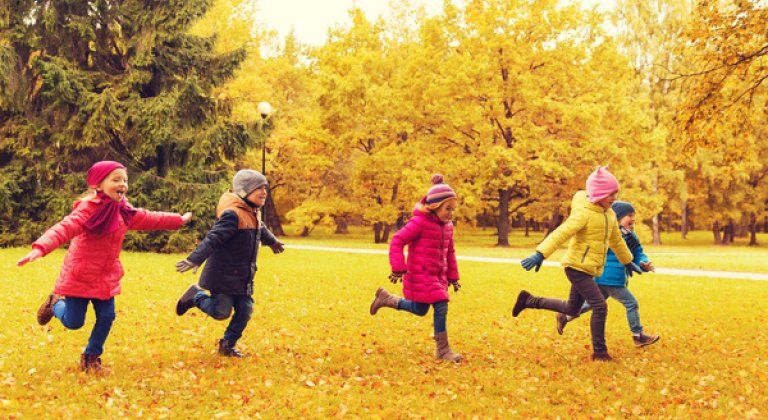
x,y
60,233
157,220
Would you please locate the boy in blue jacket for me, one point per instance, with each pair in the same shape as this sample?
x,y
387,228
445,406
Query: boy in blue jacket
x,y
613,281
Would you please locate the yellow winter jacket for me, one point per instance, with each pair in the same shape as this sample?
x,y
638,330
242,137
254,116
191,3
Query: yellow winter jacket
x,y
591,229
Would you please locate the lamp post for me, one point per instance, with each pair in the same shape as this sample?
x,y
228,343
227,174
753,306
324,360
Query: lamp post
x,y
264,109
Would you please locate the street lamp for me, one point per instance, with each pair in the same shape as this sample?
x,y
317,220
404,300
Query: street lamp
x,y
264,109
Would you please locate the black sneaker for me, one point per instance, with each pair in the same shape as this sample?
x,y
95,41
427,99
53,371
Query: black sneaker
x,y
228,350
643,339
522,300
187,300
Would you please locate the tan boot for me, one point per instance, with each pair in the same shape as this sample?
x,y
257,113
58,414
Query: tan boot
x,y
383,298
444,349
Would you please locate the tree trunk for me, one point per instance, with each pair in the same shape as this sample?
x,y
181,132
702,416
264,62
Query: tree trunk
x,y
342,225
752,229
400,222
385,235
555,220
527,228
305,232
742,228
502,225
377,233
728,237
684,217
272,219
716,232
656,233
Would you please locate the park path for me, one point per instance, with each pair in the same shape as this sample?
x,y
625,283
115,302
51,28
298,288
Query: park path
x,y
730,275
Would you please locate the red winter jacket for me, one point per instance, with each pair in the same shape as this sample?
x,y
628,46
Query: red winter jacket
x,y
92,268
431,257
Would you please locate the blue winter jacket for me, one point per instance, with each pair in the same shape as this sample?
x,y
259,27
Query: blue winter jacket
x,y
613,273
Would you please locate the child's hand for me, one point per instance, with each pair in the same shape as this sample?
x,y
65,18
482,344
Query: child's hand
x,y
396,277
278,247
534,260
455,284
631,269
647,266
186,217
33,255
185,265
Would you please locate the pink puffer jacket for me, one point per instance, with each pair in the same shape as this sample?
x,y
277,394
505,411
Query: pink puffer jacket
x,y
92,268
431,257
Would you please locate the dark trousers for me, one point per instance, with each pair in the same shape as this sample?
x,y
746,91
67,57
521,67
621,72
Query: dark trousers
x,y
220,305
583,288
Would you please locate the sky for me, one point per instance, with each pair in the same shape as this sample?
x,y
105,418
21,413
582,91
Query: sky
x,y
310,19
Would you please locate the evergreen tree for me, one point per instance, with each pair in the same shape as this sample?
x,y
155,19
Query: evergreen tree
x,y
83,81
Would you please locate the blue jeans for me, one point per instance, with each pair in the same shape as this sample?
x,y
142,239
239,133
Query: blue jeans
x,y
71,312
626,298
421,309
219,306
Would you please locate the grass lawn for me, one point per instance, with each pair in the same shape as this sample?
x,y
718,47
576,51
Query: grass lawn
x,y
315,351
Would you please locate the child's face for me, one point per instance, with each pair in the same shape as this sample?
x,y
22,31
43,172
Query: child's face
x,y
115,185
607,202
445,211
258,196
628,221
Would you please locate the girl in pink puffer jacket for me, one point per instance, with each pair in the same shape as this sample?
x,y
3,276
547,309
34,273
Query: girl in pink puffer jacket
x,y
91,270
431,264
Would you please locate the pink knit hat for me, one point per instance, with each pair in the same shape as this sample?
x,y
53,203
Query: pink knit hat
x,y
438,194
100,170
601,184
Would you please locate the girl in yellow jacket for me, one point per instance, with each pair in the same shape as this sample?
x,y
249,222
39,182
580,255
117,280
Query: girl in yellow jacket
x,y
592,229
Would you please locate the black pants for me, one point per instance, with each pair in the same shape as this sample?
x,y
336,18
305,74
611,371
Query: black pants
x,y
583,288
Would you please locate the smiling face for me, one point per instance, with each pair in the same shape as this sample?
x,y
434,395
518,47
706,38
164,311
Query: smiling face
x,y
445,211
258,196
628,221
115,185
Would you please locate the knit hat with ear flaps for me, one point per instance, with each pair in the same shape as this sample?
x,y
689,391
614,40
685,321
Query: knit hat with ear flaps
x,y
601,184
439,193
246,181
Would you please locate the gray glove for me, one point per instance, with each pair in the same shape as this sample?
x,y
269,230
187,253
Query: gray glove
x,y
185,265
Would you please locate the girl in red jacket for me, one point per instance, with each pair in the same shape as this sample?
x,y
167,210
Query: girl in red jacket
x,y
431,263
91,270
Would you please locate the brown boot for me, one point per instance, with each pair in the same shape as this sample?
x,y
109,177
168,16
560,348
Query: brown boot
x,y
383,298
90,363
561,319
45,311
444,349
